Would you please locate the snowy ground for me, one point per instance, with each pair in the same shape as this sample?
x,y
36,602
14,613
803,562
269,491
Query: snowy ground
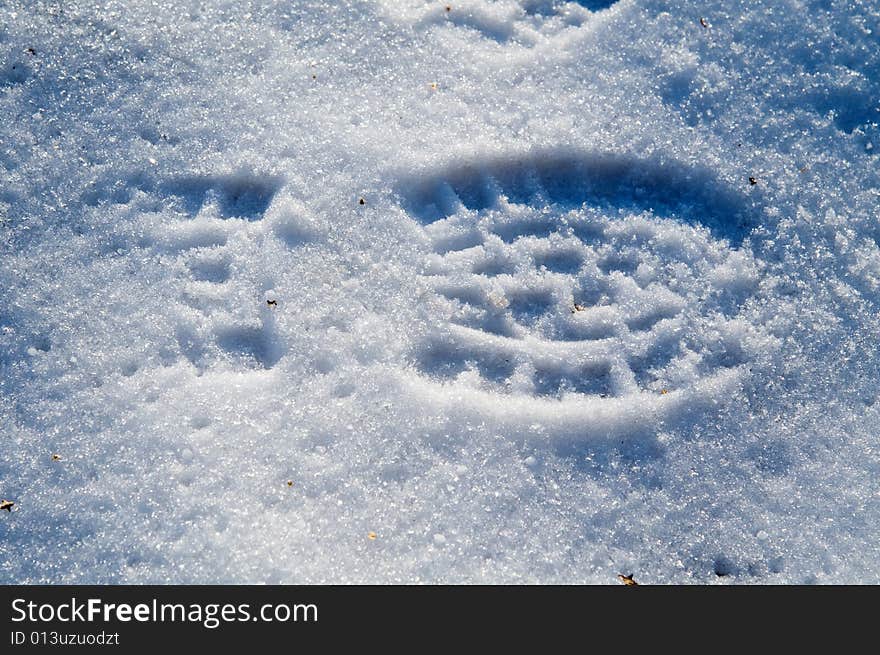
x,y
416,291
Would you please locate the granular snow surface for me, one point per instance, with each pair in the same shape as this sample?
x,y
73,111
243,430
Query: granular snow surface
x,y
474,291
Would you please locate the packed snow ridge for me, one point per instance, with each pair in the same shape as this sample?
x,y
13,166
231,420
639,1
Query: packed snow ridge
x,y
415,291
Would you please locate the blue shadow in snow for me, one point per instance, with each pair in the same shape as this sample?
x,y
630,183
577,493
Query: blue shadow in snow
x,y
567,179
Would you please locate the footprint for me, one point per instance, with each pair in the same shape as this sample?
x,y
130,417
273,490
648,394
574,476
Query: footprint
x,y
242,195
210,267
200,226
553,7
251,344
209,218
565,178
578,286
502,21
216,328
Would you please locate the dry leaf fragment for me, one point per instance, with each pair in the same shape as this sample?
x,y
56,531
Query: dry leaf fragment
x,y
627,580
7,505
372,536
56,457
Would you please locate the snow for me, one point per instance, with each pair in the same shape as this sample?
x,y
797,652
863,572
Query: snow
x,y
529,291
